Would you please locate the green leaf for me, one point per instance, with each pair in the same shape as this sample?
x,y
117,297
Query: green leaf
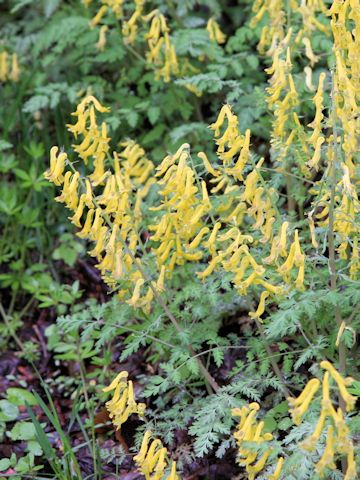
x,y
132,118
20,396
4,464
153,114
8,411
34,447
4,145
23,431
354,389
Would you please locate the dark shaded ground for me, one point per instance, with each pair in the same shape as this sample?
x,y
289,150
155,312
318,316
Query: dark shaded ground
x,y
16,371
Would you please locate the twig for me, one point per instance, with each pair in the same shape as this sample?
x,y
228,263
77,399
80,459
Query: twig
x,y
273,362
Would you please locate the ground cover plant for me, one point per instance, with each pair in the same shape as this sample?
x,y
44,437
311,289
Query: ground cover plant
x,y
179,254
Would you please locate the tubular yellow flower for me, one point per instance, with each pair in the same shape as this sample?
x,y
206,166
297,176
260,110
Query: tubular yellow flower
x,y
355,260
318,100
327,459
100,243
312,230
278,468
136,294
309,52
162,54
215,33
342,384
308,78
160,282
300,405
351,472
249,430
173,474
15,69
250,182
285,268
283,239
75,219
312,384
99,15
4,68
100,45
261,307
258,466
151,460
87,225
57,166
207,165
123,403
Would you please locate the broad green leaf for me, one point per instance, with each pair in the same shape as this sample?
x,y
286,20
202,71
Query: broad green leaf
x,y
20,396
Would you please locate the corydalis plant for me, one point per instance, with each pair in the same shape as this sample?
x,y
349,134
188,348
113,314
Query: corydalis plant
x,y
123,403
161,55
187,226
152,459
250,430
331,420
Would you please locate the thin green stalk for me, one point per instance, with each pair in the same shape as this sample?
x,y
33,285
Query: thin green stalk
x,y
273,362
10,328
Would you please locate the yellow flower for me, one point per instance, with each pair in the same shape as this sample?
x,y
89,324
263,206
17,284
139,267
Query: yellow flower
x,y
309,52
327,459
342,384
300,405
136,293
261,307
100,45
151,460
99,15
57,166
15,69
249,430
123,403
278,468
214,31
4,68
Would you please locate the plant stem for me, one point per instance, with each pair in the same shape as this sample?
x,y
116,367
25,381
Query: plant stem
x,y
289,194
10,328
273,362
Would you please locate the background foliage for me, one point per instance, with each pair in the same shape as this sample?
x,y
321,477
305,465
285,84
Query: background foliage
x,y
64,337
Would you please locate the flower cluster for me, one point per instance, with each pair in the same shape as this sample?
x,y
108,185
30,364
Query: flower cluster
x,y
114,6
123,403
179,228
161,51
108,211
190,222
274,31
248,431
345,130
338,439
9,67
162,54
347,75
152,457
152,460
228,246
304,145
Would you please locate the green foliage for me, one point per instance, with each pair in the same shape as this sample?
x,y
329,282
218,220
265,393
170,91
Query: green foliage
x,y
39,253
